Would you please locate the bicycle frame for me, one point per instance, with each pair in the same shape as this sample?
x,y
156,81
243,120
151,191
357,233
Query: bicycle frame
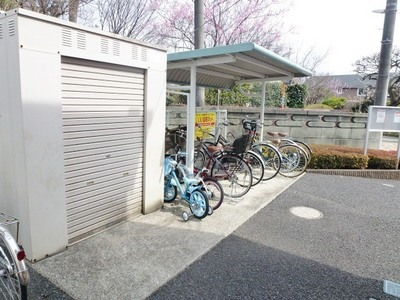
x,y
191,184
211,159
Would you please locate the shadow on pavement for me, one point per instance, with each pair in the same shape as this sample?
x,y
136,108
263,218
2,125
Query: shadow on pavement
x,y
241,269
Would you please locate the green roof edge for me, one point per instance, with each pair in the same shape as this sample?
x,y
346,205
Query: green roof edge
x,y
232,49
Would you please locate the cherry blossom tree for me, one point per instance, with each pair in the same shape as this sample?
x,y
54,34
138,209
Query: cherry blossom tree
x,y
226,22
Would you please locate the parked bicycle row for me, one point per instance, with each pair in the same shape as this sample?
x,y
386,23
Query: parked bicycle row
x,y
227,168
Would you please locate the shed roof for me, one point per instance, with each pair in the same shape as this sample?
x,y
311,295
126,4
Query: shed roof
x,y
222,67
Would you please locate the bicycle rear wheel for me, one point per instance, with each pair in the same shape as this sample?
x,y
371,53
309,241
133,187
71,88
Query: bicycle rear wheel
x,y
271,157
214,192
12,269
233,173
257,166
294,160
198,204
302,145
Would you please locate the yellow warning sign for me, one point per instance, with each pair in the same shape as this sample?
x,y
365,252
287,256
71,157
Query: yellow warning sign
x,y
205,124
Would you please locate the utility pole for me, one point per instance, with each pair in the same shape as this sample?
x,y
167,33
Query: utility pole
x,y
199,42
386,53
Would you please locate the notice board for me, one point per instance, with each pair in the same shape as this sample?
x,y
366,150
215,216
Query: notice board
x,y
383,118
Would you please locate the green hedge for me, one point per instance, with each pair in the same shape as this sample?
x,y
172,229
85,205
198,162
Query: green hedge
x,y
340,157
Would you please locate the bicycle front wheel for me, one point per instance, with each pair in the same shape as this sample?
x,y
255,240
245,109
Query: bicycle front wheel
x,y
198,204
11,269
170,191
214,192
234,175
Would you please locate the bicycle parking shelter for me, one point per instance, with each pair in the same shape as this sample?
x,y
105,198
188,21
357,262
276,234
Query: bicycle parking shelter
x,y
223,67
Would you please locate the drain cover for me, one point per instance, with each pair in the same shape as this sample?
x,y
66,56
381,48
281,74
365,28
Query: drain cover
x,y
306,212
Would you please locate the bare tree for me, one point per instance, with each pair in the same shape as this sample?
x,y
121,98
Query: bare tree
x,y
131,18
55,8
73,6
368,67
308,59
320,88
8,4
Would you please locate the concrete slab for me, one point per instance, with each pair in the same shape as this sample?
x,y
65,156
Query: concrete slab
x,y
135,258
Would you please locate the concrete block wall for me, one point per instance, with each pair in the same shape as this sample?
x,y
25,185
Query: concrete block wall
x,y
310,126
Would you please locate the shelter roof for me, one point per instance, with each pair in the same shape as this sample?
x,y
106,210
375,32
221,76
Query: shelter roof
x,y
222,67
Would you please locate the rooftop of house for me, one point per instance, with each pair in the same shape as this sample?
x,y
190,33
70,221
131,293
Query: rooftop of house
x,y
349,81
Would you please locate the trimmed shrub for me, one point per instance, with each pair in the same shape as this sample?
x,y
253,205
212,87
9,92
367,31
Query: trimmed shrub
x,y
327,157
341,157
335,102
380,159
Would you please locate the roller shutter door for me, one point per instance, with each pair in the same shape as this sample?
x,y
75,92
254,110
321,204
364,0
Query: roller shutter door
x,y
103,117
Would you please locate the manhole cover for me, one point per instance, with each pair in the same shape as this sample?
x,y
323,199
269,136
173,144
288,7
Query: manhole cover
x,y
306,212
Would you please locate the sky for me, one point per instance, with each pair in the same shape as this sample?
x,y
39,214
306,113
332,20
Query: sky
x,y
348,29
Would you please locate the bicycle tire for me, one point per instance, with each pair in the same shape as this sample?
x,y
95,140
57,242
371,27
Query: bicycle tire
x,y
198,203
170,190
257,166
294,160
306,148
271,157
233,173
303,145
199,159
12,269
214,191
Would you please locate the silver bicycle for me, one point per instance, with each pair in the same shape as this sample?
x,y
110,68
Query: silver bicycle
x,y
14,274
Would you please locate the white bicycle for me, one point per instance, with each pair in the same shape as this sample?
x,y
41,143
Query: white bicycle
x,y
14,274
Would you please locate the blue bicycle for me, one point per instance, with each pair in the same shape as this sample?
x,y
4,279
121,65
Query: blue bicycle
x,y
191,190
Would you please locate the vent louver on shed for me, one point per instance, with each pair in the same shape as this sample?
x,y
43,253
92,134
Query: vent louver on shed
x,y
11,28
66,37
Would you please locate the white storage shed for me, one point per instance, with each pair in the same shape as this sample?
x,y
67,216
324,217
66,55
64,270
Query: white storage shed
x,y
82,120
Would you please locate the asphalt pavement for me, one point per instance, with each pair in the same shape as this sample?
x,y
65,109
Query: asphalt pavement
x,y
326,237
315,237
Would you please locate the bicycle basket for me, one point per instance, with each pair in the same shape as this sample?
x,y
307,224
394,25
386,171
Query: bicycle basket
x,y
242,144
